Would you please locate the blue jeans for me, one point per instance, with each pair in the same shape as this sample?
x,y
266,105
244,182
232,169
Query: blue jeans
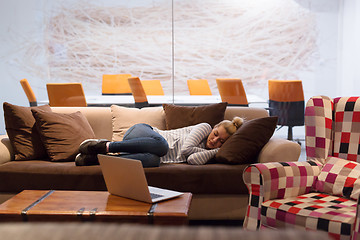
x,y
143,143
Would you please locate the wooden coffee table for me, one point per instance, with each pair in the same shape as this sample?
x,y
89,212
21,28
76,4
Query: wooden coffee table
x,y
45,205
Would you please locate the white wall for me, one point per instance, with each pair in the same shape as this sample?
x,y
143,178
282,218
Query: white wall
x,y
349,49
23,17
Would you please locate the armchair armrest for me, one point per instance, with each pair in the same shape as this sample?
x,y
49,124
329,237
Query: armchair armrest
x,y
279,150
6,150
276,180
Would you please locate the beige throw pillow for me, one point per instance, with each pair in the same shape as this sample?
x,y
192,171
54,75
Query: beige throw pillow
x,y
123,118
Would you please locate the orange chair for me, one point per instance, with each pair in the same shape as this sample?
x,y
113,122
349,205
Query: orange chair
x,y
232,91
152,87
116,84
138,92
286,101
66,95
199,87
29,92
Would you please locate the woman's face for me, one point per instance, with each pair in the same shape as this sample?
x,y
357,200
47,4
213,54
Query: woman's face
x,y
217,137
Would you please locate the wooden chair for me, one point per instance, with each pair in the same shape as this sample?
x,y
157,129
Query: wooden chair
x,y
199,87
152,87
66,95
116,84
138,92
286,101
232,91
29,92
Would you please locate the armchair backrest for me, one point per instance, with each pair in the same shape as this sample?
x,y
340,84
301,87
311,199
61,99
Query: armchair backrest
x,y
346,128
332,128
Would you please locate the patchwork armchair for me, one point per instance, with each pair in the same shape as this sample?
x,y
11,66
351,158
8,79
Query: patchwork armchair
x,y
322,192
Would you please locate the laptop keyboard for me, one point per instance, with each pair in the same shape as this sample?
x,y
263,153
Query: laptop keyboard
x,y
155,195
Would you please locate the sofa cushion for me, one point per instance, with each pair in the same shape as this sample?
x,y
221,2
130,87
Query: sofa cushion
x,y
207,179
16,176
183,116
23,135
339,177
62,133
246,143
123,118
204,179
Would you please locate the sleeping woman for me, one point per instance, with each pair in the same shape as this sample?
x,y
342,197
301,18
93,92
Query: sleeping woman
x,y
195,144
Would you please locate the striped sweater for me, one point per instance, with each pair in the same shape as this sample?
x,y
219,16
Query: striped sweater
x,y
188,144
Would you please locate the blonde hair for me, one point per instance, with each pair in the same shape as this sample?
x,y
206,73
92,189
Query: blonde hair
x,y
231,126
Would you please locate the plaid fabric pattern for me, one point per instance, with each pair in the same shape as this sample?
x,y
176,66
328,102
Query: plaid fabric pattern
x,y
347,128
318,128
312,211
253,181
276,180
339,177
356,234
281,195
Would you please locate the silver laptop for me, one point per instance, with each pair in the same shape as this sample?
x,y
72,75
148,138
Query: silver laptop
x,y
126,178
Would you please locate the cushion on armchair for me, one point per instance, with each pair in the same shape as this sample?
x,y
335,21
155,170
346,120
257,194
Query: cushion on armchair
x,y
339,177
311,211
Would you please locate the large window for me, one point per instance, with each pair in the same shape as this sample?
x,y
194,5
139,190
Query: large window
x,y
176,40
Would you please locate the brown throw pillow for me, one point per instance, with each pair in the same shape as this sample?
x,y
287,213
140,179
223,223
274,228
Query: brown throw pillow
x,y
20,127
62,133
246,143
183,116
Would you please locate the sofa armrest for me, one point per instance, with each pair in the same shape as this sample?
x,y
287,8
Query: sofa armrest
x,y
279,150
6,150
280,180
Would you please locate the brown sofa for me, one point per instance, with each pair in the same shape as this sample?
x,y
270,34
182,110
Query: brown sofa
x,y
218,189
